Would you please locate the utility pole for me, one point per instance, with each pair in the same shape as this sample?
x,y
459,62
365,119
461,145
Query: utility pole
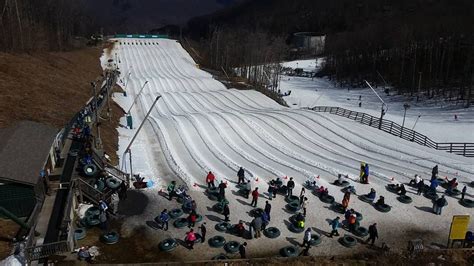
x,y
382,111
128,150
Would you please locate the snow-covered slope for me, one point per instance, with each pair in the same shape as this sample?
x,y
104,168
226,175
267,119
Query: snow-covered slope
x,y
202,126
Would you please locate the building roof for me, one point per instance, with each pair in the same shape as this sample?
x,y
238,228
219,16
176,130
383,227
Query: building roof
x,y
24,148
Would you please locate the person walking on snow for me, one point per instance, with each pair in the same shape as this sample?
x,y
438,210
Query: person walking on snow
x,y
226,212
241,176
222,187
271,190
434,184
463,192
257,226
303,205
268,208
164,219
203,231
254,198
210,180
421,187
439,204
373,234
171,187
290,186
334,225
242,250
248,188
307,237
434,172
190,238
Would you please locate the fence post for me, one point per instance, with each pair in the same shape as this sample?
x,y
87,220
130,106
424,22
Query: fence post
x,y
464,150
350,113
357,114
425,141
362,119
391,125
370,123
450,148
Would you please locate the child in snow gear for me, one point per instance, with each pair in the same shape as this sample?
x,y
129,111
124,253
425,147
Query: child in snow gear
x,y
171,187
452,184
240,228
371,194
190,238
420,187
203,231
268,208
303,205
242,250
373,234
271,190
463,192
290,186
439,204
254,198
334,225
248,189
192,219
434,172
364,173
222,187
415,181
210,180
352,222
401,190
226,212
434,184
307,237
241,176
164,219
265,220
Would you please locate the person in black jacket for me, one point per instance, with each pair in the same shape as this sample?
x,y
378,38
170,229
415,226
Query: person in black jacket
x,y
373,233
268,208
241,176
290,186
242,250
203,232
226,212
434,172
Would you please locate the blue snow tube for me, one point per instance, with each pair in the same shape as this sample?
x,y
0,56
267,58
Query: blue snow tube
x,y
110,238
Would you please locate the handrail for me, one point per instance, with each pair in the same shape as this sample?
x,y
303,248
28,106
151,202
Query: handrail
x,y
459,148
43,251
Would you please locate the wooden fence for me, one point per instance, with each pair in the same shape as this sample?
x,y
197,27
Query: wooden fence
x,y
464,149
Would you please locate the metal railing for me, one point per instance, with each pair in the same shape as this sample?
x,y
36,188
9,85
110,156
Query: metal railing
x,y
464,149
43,251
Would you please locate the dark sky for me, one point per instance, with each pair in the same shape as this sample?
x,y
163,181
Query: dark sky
x,y
130,16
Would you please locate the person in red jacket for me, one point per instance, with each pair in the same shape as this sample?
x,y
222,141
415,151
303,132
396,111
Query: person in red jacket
x,y
210,180
190,238
254,197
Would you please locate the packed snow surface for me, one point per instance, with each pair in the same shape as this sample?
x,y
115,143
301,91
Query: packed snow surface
x,y
199,125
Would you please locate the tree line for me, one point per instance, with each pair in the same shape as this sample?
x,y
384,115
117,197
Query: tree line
x,y
422,47
44,25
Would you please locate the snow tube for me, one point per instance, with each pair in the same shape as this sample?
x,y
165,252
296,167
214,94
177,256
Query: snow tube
x,y
92,221
218,208
110,238
181,222
90,169
431,194
216,241
220,257
293,206
467,203
212,197
454,192
223,226
359,216
168,244
364,198
92,211
271,232
113,182
232,247
337,207
292,198
198,218
315,240
348,241
198,238
289,251
361,231
344,183
349,189
404,199
99,185
243,192
382,207
241,186
80,233
295,229
282,190
212,191
392,188
256,212
175,213
327,199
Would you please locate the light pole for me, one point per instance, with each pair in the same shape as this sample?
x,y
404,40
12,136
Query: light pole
x,y
126,83
416,121
128,150
383,110
135,99
406,106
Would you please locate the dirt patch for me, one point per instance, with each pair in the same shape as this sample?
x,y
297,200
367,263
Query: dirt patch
x,y
46,87
8,230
